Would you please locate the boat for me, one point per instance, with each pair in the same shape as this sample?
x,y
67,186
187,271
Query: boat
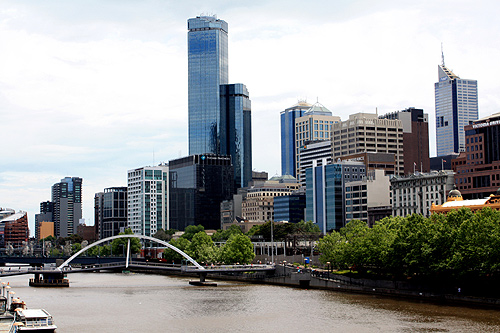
x,y
33,320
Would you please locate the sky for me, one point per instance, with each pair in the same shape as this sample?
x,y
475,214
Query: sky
x,y
94,88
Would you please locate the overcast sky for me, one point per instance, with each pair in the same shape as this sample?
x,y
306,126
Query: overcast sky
x,y
92,89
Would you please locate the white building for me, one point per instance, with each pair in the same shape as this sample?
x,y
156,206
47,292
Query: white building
x,y
147,200
370,192
318,152
416,193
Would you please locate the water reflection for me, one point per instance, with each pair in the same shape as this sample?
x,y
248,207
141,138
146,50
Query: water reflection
x,y
150,303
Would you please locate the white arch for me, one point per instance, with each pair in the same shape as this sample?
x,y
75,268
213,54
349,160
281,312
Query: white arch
x,y
130,236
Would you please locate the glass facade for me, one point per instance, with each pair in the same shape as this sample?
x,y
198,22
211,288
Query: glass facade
x,y
67,199
207,70
236,133
113,211
325,193
198,184
456,107
288,149
289,208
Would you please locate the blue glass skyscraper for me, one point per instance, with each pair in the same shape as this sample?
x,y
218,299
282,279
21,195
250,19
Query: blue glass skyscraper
x,y
207,70
288,149
236,133
219,113
456,107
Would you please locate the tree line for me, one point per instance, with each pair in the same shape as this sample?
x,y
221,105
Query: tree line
x,y
457,245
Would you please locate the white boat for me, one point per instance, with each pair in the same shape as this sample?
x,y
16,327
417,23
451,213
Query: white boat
x,y
33,320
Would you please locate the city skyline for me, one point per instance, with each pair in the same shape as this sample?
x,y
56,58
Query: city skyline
x,y
93,90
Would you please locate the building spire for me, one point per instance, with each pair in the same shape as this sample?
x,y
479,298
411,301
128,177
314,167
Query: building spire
x,y
442,55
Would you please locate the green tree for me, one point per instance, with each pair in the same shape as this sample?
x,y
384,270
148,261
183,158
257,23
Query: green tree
x,y
197,249
332,248
119,245
238,249
171,255
192,230
223,235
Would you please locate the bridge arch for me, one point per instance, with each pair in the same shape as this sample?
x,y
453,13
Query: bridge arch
x,y
64,264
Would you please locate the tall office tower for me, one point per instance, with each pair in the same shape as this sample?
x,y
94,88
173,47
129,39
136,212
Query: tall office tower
x,y
365,132
456,107
288,149
110,209
67,199
236,134
207,70
315,124
325,193
147,200
198,185
415,139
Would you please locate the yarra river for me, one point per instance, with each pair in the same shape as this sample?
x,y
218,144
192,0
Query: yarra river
x,y
109,302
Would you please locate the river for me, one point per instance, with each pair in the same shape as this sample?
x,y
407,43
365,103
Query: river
x,y
109,302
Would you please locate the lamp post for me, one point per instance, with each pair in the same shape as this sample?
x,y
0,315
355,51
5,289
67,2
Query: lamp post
x,y
272,243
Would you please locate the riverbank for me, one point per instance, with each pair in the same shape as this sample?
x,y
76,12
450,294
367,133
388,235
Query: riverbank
x,y
310,279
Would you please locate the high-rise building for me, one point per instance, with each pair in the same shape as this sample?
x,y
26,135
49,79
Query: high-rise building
x,y
316,124
67,200
236,133
288,149
147,200
478,168
415,139
325,193
207,70
219,113
319,152
110,209
198,185
365,132
456,107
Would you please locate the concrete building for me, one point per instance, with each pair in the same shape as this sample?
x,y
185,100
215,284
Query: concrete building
x,y
316,124
198,185
67,200
415,194
147,199
258,206
456,107
478,168
325,193
365,132
46,215
110,211
44,229
374,161
415,139
288,149
365,195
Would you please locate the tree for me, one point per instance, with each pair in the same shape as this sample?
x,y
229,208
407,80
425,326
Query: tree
x,y
223,235
192,230
171,255
198,247
238,249
119,245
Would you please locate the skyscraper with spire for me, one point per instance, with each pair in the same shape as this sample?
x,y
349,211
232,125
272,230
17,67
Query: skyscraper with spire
x,y
456,107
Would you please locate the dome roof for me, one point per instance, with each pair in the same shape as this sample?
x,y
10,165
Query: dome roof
x,y
454,193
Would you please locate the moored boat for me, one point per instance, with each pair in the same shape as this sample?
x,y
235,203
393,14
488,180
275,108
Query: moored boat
x,y
33,320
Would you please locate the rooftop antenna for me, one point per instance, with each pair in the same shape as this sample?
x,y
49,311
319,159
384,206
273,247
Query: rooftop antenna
x,y
442,55
376,111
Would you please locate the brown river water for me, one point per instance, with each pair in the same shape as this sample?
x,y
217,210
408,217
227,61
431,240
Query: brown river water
x,y
109,302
